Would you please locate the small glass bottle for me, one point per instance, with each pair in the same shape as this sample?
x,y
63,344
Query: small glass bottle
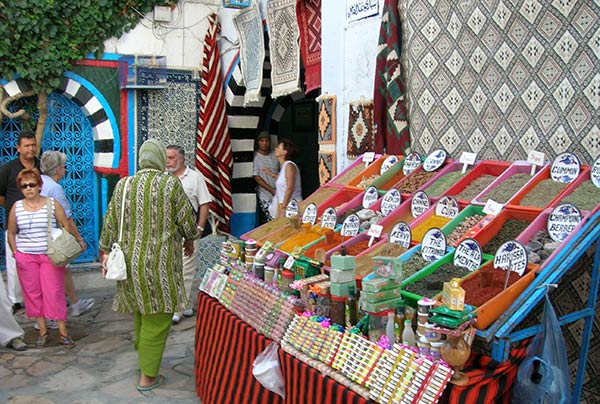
x,y
323,305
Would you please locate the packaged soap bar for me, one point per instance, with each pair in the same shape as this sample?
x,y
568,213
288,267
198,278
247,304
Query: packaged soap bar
x,y
375,297
387,267
390,304
453,295
379,284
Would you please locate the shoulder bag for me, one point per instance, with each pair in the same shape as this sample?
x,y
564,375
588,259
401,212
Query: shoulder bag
x,y
64,248
115,264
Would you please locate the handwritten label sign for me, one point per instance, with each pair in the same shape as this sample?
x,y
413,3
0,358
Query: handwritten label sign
x,y
310,214
492,207
434,245
536,158
447,206
359,9
595,173
368,158
401,234
467,159
435,160
375,231
562,221
565,168
511,255
329,219
468,254
390,202
419,204
388,163
350,226
292,209
411,163
370,197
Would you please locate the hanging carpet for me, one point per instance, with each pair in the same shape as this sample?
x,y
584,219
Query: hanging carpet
x,y
308,13
390,117
360,129
327,119
248,24
283,47
214,157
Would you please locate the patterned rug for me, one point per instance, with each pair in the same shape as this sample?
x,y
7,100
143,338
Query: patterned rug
x,y
283,47
392,135
327,119
170,114
327,166
361,136
504,78
248,24
308,13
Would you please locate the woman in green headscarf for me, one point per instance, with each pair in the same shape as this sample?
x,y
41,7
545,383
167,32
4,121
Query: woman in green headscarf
x,y
158,215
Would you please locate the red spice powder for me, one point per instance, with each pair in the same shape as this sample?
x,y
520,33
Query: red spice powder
x,y
482,287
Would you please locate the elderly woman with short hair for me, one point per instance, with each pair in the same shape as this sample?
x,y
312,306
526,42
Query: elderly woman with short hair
x,y
52,164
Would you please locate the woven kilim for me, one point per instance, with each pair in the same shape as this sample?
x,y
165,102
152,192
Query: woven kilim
x,y
502,78
283,47
248,24
392,136
327,166
360,129
308,13
327,119
214,157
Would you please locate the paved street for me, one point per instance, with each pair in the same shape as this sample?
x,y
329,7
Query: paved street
x,y
102,368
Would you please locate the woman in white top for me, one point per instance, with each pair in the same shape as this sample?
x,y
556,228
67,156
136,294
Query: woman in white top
x,y
287,185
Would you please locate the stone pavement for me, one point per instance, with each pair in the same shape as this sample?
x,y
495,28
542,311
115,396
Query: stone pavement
x,y
102,367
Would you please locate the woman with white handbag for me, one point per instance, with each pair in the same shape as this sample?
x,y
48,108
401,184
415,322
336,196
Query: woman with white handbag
x,y
153,213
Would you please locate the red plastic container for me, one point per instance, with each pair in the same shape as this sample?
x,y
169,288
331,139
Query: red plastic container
x,y
583,177
373,170
339,200
344,178
489,167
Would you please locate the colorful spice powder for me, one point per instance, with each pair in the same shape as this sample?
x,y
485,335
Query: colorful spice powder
x,y
432,221
414,264
462,228
485,285
412,182
350,174
366,181
475,187
442,184
433,283
541,195
586,196
407,218
507,188
330,241
307,236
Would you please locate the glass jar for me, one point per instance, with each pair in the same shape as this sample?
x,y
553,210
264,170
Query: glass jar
x,y
323,305
287,277
338,310
377,324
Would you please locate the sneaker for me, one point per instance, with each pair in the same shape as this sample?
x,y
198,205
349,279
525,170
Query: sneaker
x,y
188,312
176,318
17,344
66,341
81,306
41,341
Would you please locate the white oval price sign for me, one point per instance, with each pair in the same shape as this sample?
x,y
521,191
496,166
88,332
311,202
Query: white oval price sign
x,y
329,219
468,254
447,206
370,197
401,234
310,214
388,163
595,173
565,168
350,226
562,221
435,160
434,245
390,202
411,163
419,203
511,256
292,209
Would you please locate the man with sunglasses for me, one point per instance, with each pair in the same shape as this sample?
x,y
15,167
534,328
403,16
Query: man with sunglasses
x,y
9,194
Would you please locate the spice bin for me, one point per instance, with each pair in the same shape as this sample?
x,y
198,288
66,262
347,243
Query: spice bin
x,y
353,170
491,168
372,173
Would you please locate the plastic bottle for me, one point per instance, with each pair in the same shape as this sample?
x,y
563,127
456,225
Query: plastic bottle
x,y
389,327
352,309
408,335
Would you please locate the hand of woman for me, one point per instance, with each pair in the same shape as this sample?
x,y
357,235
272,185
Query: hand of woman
x,y
104,267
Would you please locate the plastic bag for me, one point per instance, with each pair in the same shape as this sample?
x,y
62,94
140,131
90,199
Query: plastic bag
x,y
543,376
267,371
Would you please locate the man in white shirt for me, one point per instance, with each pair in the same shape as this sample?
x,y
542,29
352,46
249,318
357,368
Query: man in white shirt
x,y
197,192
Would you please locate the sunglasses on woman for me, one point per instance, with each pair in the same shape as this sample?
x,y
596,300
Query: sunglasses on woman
x,y
29,185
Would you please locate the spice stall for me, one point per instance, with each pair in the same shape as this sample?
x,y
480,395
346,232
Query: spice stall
x,y
473,275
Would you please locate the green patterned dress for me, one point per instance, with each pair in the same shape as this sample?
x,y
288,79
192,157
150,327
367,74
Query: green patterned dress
x,y
158,216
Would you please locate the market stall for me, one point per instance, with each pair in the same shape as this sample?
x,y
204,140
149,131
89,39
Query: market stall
x,y
413,257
